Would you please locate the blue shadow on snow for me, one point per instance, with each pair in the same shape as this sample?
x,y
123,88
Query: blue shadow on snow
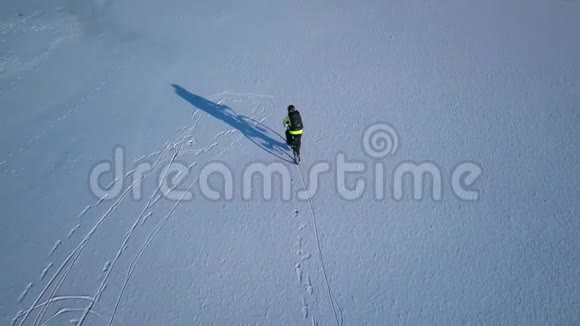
x,y
253,130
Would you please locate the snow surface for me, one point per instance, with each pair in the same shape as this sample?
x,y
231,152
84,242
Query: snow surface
x,y
496,83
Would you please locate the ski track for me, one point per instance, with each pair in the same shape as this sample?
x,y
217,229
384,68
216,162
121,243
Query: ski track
x,y
111,209
205,149
75,254
112,183
136,223
154,233
69,310
220,95
79,249
80,215
161,155
146,217
224,133
21,313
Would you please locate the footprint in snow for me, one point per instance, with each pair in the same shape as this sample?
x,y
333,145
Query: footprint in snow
x,y
299,273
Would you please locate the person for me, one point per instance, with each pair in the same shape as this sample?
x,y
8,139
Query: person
x,y
293,124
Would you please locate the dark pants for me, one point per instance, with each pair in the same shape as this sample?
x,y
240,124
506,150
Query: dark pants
x,y
294,139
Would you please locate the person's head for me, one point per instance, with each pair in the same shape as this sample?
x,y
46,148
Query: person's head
x,y
291,108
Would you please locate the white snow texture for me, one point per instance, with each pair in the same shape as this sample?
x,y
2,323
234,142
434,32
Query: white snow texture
x,y
484,94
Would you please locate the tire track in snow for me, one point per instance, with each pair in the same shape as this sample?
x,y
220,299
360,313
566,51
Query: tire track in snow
x,y
336,308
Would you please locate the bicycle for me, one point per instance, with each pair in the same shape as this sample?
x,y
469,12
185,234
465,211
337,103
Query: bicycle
x,y
295,152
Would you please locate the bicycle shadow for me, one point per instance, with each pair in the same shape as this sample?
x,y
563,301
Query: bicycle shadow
x,y
253,130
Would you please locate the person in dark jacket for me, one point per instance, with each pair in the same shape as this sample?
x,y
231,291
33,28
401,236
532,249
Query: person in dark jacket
x,y
293,124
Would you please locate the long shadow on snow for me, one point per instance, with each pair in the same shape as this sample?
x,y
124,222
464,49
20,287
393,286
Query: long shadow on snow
x,y
253,130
